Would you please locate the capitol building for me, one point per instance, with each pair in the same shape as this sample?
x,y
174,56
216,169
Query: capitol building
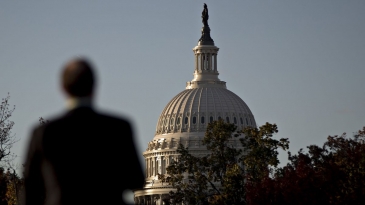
x,y
185,118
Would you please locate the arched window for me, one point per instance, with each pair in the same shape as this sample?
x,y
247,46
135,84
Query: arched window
x,y
202,120
227,119
241,120
194,120
186,120
178,121
234,120
246,121
219,118
211,119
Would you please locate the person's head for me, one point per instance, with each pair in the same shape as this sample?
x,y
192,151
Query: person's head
x,y
78,78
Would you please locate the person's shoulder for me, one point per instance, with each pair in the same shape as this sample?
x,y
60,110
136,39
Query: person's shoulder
x,y
38,129
45,123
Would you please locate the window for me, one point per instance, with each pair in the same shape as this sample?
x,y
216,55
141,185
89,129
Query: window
x,y
211,119
186,120
178,120
241,121
227,119
202,120
246,121
219,118
172,121
194,120
234,120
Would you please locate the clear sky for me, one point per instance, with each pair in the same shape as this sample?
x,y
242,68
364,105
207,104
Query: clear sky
x,y
299,64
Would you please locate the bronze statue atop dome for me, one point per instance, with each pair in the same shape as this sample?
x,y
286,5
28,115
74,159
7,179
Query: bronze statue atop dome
x,y
205,15
205,38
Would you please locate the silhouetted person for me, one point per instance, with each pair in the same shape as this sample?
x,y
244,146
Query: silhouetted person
x,y
82,157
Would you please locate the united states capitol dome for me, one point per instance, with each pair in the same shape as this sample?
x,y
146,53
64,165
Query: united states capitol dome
x,y
205,98
185,118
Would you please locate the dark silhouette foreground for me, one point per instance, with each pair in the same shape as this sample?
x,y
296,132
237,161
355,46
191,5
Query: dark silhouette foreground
x,y
81,157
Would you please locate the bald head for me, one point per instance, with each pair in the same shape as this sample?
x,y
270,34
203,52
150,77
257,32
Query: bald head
x,y
78,78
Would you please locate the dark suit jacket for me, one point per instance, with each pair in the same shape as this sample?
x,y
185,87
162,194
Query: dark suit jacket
x,y
81,158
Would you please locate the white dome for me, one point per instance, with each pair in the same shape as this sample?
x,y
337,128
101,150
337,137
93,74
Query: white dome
x,y
192,109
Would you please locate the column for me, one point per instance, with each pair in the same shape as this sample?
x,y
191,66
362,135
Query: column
x,y
201,61
154,166
205,61
159,160
146,167
211,63
196,61
163,165
149,167
215,62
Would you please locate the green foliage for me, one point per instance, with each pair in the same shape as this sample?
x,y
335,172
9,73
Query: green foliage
x,y
220,176
262,150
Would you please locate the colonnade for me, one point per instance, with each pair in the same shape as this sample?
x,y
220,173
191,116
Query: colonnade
x,y
206,61
158,164
155,199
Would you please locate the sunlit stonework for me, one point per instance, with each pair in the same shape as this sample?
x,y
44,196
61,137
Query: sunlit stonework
x,y
184,119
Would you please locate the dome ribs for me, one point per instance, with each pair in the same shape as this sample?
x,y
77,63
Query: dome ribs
x,y
247,110
179,113
214,108
203,102
199,114
174,113
234,103
191,110
166,113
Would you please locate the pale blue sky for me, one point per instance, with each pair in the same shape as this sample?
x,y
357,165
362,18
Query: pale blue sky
x,y
300,64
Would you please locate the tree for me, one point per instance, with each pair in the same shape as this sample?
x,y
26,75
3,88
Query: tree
x,y
3,187
204,174
220,176
331,174
261,159
10,182
14,187
10,187
6,138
